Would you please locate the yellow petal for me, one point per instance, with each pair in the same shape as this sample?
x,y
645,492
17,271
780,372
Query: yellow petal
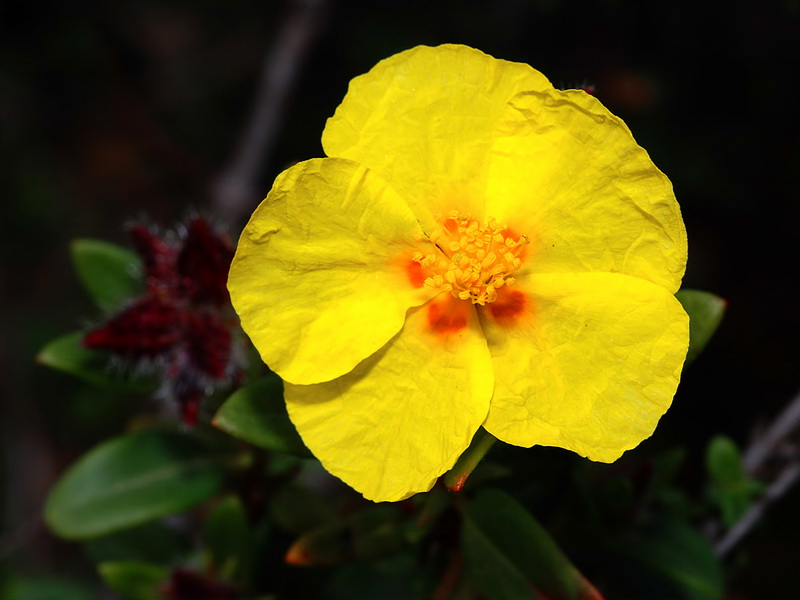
x,y
401,418
569,175
321,278
589,365
423,119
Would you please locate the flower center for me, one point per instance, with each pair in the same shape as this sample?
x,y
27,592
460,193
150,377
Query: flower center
x,y
476,259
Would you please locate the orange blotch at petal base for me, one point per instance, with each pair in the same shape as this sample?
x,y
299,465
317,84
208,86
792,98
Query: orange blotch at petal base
x,y
475,263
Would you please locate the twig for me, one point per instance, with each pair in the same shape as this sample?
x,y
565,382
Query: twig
x,y
766,444
235,192
764,448
787,478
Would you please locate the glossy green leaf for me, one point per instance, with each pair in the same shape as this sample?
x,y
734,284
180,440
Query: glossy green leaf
x,y
230,541
134,580
131,480
705,312
109,273
508,551
257,414
67,354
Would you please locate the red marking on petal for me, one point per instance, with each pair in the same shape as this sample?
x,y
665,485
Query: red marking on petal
x,y
451,225
448,315
415,273
508,307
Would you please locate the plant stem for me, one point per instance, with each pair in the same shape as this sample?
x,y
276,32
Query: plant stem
x,y
455,479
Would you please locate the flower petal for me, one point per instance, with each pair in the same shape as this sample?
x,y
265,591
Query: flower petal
x,y
321,274
402,417
423,119
590,365
568,174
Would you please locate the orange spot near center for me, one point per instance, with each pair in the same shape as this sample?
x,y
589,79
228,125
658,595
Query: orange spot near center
x,y
508,307
447,315
415,273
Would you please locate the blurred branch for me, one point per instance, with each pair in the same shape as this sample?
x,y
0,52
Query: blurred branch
x,y
236,189
769,443
766,447
787,478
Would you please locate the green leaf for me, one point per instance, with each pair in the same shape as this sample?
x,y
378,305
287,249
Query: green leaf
x,y
731,489
134,580
44,588
724,461
151,542
494,574
67,354
510,555
230,541
131,480
705,312
257,414
665,560
109,273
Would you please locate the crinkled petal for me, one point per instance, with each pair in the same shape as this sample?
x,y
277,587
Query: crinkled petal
x,y
401,418
590,364
321,274
423,119
569,175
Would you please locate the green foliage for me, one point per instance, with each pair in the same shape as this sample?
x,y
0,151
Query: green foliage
x,y
297,509
134,580
730,488
230,541
509,554
109,273
665,559
44,588
277,506
68,354
705,312
151,542
257,414
369,534
130,480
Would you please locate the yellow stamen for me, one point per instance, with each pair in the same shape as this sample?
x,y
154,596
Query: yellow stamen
x,y
482,258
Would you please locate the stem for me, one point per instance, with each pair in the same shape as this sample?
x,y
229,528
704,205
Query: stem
x,y
456,477
767,444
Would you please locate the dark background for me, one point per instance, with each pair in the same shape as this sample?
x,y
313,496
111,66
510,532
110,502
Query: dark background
x,y
114,110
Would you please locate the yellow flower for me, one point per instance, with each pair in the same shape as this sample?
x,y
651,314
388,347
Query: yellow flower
x,y
479,249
